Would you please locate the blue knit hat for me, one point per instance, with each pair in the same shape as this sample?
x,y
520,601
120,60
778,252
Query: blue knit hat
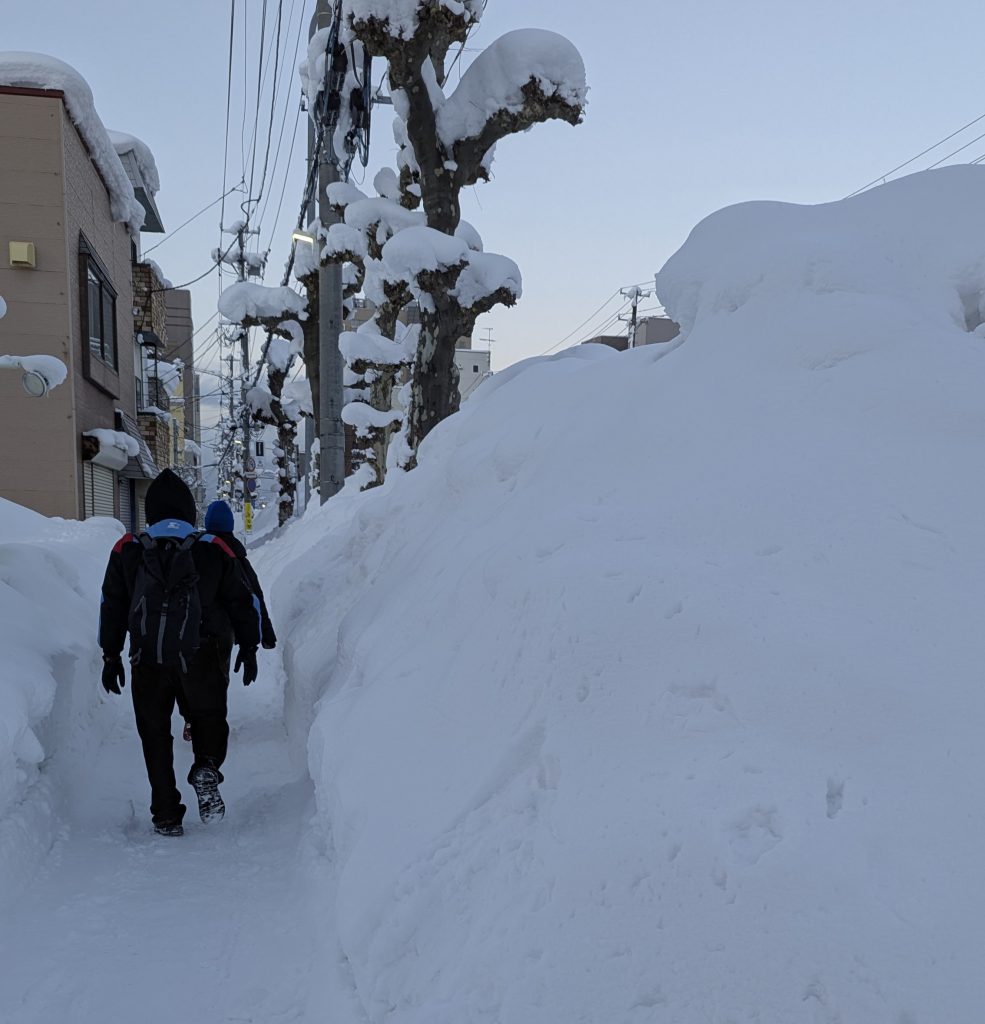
x,y
219,518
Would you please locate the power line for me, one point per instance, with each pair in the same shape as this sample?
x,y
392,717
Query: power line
x,y
906,163
194,216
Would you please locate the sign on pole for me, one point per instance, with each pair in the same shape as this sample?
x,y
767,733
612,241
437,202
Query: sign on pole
x,y
248,516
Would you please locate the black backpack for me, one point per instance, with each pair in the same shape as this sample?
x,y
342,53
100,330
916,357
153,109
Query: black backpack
x,y
165,610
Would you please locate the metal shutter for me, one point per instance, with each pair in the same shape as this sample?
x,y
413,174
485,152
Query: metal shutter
x,y
99,486
126,505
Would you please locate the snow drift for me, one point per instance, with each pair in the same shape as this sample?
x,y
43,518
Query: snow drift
x,y
50,574
654,693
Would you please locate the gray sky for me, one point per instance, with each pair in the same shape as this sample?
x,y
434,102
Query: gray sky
x,y
693,106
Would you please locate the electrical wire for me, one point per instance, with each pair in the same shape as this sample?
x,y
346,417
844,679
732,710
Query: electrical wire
x,y
229,97
906,163
194,216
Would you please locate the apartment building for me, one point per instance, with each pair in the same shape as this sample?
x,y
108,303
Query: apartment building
x,y
72,200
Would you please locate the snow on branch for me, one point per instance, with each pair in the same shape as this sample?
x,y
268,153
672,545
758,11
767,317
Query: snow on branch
x,y
389,23
39,71
524,77
380,219
488,280
420,250
254,305
368,347
365,419
344,244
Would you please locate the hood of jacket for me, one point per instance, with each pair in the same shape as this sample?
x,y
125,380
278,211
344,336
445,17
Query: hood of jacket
x,y
168,497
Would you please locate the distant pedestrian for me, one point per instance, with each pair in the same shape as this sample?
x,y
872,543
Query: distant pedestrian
x,y
219,522
176,591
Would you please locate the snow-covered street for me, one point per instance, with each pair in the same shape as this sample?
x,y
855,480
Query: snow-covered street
x,y
219,926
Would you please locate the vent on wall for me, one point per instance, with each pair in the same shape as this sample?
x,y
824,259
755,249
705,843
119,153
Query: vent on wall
x,y
22,254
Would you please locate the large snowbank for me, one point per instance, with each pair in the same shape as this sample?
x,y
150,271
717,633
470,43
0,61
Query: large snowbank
x,y
50,574
39,71
655,692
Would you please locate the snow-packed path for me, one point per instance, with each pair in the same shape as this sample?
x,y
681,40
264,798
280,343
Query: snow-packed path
x,y
120,925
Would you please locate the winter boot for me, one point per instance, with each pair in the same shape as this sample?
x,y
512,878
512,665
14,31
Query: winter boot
x,y
169,828
205,781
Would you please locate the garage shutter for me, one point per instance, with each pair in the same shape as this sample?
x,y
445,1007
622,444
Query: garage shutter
x,y
126,505
99,486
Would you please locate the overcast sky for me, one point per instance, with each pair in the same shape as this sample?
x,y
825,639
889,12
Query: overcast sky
x,y
693,106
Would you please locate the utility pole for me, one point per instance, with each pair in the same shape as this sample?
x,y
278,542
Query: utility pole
x,y
634,293
244,350
331,432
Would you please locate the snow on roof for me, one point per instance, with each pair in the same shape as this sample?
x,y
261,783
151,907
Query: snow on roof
x,y
125,143
496,78
39,71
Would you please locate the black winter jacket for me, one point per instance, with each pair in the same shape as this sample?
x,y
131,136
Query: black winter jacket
x,y
267,634
224,593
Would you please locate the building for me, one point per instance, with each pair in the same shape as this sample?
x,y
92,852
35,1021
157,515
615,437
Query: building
x,y
474,365
651,330
72,200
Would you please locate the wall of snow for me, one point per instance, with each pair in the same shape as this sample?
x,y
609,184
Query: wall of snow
x,y
655,692
50,574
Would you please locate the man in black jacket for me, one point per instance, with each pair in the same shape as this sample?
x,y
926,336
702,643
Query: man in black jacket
x,y
219,523
225,601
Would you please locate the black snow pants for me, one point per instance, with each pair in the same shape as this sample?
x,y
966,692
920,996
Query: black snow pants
x,y
203,697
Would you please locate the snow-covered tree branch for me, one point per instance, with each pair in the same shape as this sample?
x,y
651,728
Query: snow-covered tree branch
x,y
446,143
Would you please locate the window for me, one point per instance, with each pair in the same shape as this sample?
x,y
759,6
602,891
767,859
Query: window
x,y
475,368
99,307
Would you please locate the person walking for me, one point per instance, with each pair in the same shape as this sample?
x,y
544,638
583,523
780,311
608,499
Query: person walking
x,y
219,523
176,591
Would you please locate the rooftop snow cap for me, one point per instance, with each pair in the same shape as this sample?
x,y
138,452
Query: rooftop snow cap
x,y
219,518
168,497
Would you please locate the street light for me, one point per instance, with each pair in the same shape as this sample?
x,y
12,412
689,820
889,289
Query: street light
x,y
34,384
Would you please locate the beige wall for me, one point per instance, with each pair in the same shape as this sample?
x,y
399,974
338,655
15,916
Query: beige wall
x,y
87,210
49,192
38,461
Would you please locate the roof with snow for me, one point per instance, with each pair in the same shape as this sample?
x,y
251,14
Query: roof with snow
x,y
39,71
138,161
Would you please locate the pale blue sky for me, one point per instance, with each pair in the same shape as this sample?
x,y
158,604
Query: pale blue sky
x,y
693,106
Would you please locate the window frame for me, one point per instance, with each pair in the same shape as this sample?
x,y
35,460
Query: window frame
x,y
92,276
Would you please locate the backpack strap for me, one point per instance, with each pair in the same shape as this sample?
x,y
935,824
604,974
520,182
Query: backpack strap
x,y
211,538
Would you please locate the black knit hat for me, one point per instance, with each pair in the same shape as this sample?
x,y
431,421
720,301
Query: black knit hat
x,y
168,497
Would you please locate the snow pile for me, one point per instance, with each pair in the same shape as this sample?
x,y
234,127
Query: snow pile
x,y
115,447
674,715
248,301
50,574
146,165
39,71
495,81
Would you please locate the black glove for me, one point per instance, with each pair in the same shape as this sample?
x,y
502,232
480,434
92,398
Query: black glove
x,y
247,658
113,677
